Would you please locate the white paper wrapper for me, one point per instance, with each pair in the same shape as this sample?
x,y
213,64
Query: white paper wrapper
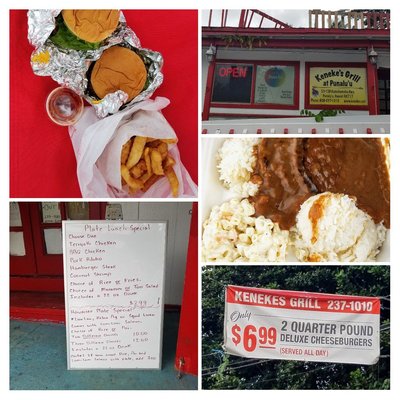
x,y
97,144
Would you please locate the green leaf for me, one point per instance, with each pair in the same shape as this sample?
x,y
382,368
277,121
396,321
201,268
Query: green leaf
x,y
64,38
319,118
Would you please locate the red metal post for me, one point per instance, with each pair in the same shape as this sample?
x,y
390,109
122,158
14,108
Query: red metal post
x,y
186,356
207,96
372,82
242,18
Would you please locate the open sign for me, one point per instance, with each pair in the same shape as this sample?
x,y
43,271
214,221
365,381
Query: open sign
x,y
234,72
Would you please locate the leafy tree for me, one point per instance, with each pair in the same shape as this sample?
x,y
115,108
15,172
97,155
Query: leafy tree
x,y
223,371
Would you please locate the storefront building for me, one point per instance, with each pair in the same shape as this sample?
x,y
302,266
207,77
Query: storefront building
x,y
250,70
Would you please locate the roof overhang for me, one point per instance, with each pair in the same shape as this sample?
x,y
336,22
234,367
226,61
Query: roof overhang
x,y
299,37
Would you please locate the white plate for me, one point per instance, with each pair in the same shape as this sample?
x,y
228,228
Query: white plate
x,y
213,193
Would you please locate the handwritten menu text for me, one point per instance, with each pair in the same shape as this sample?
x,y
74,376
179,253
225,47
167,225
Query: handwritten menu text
x,y
114,284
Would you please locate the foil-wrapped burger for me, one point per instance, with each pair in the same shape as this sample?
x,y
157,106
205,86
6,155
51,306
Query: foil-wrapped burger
x,y
94,53
118,68
84,29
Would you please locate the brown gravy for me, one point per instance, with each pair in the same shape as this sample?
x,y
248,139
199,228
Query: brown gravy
x,y
291,170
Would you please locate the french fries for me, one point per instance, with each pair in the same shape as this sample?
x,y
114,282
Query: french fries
x,y
134,184
173,181
126,149
151,181
156,162
169,161
136,151
148,161
139,169
169,141
163,150
144,161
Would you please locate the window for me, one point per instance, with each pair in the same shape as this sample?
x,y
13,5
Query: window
x,y
256,84
275,84
232,83
384,90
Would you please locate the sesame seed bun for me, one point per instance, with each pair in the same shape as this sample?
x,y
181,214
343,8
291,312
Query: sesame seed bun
x,y
91,25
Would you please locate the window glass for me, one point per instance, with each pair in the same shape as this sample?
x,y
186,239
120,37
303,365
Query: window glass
x,y
232,83
78,210
53,241
15,214
275,84
17,244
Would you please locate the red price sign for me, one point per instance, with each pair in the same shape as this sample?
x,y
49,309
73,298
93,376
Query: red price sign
x,y
291,325
252,337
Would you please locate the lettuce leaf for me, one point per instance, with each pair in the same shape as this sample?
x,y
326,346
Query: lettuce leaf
x,y
64,38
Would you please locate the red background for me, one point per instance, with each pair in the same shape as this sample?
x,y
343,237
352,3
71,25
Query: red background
x,y
42,161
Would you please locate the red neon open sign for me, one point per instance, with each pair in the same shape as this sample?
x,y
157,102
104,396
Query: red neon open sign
x,y
234,72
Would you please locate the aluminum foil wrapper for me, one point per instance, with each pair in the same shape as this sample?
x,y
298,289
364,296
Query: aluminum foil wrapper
x,y
69,67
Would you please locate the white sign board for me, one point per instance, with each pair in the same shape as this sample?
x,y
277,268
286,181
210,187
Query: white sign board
x,y
114,211
114,286
51,212
289,325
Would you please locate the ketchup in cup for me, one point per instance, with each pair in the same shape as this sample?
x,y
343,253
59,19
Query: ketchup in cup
x,y
64,106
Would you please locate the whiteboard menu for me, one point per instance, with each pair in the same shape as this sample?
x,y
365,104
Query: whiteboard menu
x,y
114,285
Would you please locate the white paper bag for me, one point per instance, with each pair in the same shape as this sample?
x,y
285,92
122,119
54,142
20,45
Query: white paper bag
x,y
97,144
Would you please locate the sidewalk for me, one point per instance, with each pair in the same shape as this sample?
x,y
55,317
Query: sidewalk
x,y
38,361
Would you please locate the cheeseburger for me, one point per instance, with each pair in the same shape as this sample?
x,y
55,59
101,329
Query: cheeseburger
x,y
118,68
84,29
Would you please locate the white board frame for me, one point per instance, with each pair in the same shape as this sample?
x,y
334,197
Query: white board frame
x,y
162,295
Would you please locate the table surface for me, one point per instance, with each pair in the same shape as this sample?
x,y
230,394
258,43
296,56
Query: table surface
x,y
42,161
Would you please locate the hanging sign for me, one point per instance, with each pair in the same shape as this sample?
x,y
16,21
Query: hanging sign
x,y
337,86
51,212
114,285
275,84
289,325
114,211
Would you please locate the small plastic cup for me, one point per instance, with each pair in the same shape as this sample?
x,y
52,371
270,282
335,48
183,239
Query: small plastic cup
x,y
64,107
